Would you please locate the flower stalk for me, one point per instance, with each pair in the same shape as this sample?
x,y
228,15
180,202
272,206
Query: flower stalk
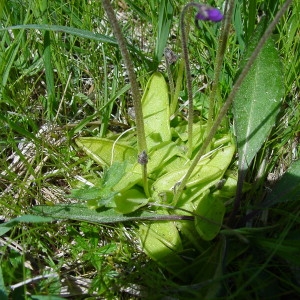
x,y
136,96
219,62
205,13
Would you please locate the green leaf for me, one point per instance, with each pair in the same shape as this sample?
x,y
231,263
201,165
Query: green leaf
x,y
205,176
18,128
257,102
288,249
212,209
86,193
159,239
5,227
181,130
51,99
95,196
8,58
226,188
156,111
207,173
71,30
130,200
81,212
104,151
138,11
160,155
162,243
287,188
130,178
113,174
102,194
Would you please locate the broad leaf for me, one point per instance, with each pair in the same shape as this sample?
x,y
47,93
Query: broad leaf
x,y
129,201
102,194
161,242
105,151
204,176
158,158
161,154
156,111
257,102
211,212
181,130
160,238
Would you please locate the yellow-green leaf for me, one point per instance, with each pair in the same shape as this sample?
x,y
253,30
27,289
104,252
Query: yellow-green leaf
x,y
129,201
212,209
156,111
105,151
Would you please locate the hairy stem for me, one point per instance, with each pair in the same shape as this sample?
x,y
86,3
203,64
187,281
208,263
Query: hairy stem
x,y
185,56
131,75
219,61
141,139
169,71
175,96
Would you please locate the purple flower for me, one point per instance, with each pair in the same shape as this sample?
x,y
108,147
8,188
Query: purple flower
x,y
207,13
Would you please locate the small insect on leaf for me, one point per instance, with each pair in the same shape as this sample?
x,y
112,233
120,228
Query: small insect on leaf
x,y
170,56
143,158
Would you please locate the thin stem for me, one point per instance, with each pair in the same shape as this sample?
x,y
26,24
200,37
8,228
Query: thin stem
x,y
195,215
226,106
143,161
141,139
174,98
170,76
145,181
185,56
131,75
219,61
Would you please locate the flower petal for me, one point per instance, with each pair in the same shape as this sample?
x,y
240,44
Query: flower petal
x,y
209,14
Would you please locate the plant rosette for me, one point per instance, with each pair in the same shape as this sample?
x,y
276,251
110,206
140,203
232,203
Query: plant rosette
x,y
122,186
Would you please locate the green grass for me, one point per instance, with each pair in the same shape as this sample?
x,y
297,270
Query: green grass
x,y
60,84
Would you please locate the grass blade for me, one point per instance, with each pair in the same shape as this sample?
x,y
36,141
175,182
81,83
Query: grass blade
x,y
51,105
163,27
74,31
5,227
3,294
